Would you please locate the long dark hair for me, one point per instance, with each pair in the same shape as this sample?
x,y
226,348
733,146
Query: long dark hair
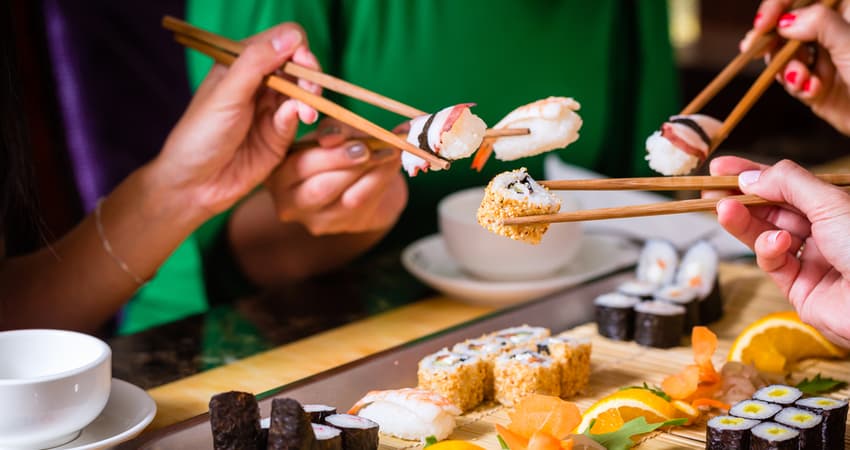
x,y
19,223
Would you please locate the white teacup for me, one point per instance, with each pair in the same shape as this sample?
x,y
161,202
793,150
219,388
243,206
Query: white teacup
x,y
53,383
493,257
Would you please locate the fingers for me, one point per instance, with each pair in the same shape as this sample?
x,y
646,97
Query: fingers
x,y
765,20
773,256
303,56
332,133
747,224
729,165
818,23
308,163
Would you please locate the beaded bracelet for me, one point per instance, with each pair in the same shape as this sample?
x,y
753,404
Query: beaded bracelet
x,y
108,247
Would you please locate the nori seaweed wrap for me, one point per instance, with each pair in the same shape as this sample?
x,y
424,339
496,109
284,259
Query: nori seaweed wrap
x,y
235,421
711,307
658,324
358,433
615,316
327,437
806,422
684,297
319,412
773,436
290,427
834,413
728,433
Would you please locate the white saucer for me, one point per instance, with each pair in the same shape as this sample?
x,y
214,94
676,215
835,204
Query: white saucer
x,y
429,261
129,410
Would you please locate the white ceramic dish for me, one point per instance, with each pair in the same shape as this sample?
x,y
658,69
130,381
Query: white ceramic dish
x,y
128,411
429,261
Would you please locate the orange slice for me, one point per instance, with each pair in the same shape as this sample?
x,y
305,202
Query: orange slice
x,y
608,422
545,413
630,404
777,341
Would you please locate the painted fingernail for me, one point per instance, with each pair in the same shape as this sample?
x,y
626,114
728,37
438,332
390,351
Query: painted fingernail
x,y
356,151
329,131
748,177
791,77
382,154
757,20
286,42
787,20
773,236
807,85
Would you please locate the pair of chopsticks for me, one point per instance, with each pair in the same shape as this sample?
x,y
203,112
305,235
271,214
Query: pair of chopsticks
x,y
652,209
759,86
225,51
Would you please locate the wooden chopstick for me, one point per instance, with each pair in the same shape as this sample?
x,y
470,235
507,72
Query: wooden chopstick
x,y
373,143
683,183
320,103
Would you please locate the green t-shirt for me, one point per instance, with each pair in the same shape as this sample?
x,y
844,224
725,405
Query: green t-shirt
x,y
614,57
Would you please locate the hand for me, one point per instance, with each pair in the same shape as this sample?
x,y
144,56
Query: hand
x,y
822,84
340,186
235,131
802,244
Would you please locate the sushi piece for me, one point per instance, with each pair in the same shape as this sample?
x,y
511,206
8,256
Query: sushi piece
x,y
804,421
552,123
698,271
319,412
409,413
754,409
573,355
235,421
522,336
327,437
452,133
682,143
458,377
684,297
658,324
728,433
657,262
615,316
834,413
486,349
644,290
358,433
290,426
516,194
523,372
779,394
773,436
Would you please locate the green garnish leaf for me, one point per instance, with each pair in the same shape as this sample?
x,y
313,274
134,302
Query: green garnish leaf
x,y
654,389
622,438
819,385
502,443
430,440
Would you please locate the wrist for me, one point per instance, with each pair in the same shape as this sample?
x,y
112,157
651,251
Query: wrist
x,y
163,197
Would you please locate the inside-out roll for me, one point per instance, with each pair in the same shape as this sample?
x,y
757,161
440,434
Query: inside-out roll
x,y
451,133
682,143
516,194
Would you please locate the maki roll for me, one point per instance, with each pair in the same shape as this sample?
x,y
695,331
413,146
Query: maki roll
x,y
458,377
452,133
684,297
290,426
235,421
327,437
358,433
615,316
698,271
657,262
658,324
524,372
773,436
728,433
806,422
643,290
552,123
682,144
522,336
573,355
516,194
834,413
779,394
754,409
486,349
319,412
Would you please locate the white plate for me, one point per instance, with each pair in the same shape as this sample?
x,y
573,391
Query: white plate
x,y
129,410
429,261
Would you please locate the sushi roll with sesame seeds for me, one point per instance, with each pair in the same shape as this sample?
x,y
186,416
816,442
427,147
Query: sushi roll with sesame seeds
x,y
615,316
834,413
658,324
643,290
754,409
779,394
684,297
698,271
682,143
523,372
773,436
657,262
523,336
516,194
728,433
458,377
804,421
573,355
487,350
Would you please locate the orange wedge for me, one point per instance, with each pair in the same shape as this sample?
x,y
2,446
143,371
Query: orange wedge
x,y
777,341
630,404
608,422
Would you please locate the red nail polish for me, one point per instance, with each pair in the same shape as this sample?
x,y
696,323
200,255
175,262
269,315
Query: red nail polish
x,y
786,20
807,85
791,77
756,20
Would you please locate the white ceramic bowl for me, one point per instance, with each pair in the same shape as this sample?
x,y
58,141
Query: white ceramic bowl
x,y
52,384
489,256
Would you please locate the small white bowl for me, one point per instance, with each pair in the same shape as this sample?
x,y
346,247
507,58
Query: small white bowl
x,y
53,383
489,256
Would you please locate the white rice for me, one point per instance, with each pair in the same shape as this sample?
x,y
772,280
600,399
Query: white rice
x,y
798,418
616,300
667,159
754,409
520,186
774,432
778,393
463,138
698,269
657,262
659,308
732,423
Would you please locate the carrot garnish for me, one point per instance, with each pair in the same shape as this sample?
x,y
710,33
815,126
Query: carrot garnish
x,y
514,440
481,155
711,403
698,380
542,440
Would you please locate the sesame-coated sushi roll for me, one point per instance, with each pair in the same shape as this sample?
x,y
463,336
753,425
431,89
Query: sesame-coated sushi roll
x,y
698,271
779,394
327,437
523,372
684,297
487,350
615,316
319,412
834,413
657,262
452,133
682,144
754,409
804,421
516,194
573,355
773,436
658,324
643,290
458,377
235,421
728,433
524,336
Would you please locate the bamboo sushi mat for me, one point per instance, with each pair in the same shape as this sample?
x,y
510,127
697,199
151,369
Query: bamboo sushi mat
x,y
618,364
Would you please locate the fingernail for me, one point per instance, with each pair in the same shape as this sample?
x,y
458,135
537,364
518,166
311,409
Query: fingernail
x,y
807,85
748,177
757,20
382,154
791,77
286,42
329,131
357,151
773,236
786,20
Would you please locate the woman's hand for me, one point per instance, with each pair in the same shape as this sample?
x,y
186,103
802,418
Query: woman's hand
x,y
821,80
236,131
803,243
341,186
